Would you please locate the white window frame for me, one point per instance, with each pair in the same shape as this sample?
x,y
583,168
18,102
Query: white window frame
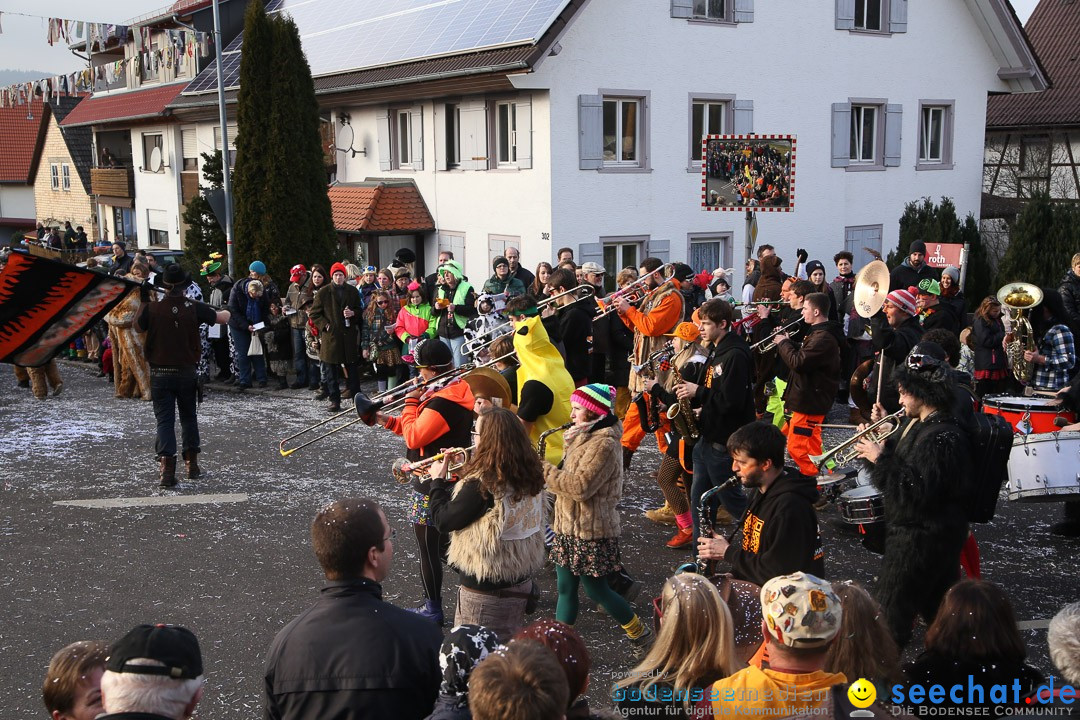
x,y
54,176
705,100
856,139
945,161
726,14
401,151
452,127
641,162
146,155
726,240
506,148
65,177
883,18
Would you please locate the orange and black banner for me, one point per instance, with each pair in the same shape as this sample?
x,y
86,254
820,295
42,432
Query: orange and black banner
x,y
45,304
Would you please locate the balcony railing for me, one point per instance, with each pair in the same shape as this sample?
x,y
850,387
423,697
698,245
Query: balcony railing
x,y
114,182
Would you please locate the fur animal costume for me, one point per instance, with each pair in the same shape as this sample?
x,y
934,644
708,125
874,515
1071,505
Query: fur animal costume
x,y
131,372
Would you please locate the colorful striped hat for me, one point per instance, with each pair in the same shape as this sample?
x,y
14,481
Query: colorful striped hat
x,y
904,299
598,398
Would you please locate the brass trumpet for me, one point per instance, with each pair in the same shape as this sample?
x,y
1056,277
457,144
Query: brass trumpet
x,y
845,452
634,292
405,470
481,341
768,344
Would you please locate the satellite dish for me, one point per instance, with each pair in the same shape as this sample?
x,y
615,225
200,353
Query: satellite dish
x,y
155,160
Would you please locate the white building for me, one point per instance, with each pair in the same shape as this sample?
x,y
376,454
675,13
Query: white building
x,y
514,142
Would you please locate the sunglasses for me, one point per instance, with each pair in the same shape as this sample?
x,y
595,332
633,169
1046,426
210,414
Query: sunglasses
x,y
380,302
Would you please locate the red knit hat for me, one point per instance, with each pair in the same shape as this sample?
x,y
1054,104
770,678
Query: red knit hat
x,y
904,299
338,267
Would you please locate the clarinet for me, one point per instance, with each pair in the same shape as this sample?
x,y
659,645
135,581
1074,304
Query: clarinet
x,y
705,523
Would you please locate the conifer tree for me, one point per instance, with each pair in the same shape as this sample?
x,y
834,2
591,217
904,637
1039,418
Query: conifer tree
x,y
1041,243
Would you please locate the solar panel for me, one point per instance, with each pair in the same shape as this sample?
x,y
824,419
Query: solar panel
x,y
344,35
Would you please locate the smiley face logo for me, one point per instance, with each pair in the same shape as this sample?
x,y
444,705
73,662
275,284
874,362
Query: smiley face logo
x,y
862,693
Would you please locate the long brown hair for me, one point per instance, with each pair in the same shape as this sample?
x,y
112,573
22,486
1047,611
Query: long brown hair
x,y
983,313
976,622
864,647
505,460
390,311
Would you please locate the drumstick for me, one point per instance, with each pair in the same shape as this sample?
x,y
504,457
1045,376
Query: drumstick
x,y
1030,391
838,427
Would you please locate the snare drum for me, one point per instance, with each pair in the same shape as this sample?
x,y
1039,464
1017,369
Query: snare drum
x,y
1027,414
862,505
1045,467
834,485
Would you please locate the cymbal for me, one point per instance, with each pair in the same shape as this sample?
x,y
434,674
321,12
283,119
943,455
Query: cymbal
x,y
871,288
489,383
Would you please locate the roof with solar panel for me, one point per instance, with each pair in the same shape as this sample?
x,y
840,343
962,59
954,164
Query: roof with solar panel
x,y
347,36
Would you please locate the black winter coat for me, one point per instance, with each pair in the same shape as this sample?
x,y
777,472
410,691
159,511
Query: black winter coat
x,y
934,668
815,367
896,344
338,345
1070,295
904,276
729,403
351,655
989,353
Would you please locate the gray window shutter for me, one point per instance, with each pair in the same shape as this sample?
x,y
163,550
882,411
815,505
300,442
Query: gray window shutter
x,y
474,135
744,11
893,118
744,117
523,116
592,252
841,134
382,122
845,15
416,127
590,132
660,249
681,9
898,16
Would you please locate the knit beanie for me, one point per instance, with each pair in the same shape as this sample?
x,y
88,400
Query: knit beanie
x,y
903,299
953,272
338,268
257,266
597,397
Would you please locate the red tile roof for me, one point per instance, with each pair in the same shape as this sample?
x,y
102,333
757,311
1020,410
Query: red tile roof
x,y
379,207
1054,29
126,106
19,138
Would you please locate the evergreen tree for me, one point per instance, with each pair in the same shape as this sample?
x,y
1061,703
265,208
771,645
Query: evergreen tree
x,y
1041,244
204,233
253,148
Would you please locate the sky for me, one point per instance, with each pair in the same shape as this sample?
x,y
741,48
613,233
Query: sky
x,y
23,45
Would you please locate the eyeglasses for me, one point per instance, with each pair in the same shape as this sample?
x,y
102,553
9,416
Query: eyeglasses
x,y
391,536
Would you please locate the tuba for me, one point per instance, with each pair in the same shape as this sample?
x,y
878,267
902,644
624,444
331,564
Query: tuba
x,y
1020,297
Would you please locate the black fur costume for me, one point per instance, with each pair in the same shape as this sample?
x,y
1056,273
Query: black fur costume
x,y
922,473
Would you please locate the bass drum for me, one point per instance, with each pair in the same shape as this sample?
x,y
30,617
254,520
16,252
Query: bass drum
x,y
1045,467
1027,414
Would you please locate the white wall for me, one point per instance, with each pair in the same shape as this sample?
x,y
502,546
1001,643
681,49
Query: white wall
x,y
473,202
17,201
793,65
157,191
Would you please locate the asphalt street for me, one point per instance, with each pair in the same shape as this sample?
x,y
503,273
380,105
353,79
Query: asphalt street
x,y
92,547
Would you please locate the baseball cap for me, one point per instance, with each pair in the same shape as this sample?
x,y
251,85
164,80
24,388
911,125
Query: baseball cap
x,y
591,268
800,610
174,646
687,331
433,353
296,272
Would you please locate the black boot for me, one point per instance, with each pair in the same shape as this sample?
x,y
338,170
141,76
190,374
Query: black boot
x,y
627,456
191,462
167,466
1070,526
624,584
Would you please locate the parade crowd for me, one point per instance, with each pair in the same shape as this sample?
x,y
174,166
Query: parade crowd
x,y
522,405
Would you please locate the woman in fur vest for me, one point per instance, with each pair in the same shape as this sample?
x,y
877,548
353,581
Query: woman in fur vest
x,y
586,522
495,517
923,472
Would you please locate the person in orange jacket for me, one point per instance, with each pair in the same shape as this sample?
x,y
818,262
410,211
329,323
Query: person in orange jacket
x,y
433,419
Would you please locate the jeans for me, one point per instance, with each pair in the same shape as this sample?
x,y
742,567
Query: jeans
x,y
300,358
244,362
331,376
712,467
172,391
456,344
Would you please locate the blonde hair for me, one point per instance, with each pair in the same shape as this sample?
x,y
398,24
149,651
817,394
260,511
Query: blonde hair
x,y
696,641
1076,260
626,275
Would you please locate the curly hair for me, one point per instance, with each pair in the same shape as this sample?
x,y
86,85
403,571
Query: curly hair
x,y
505,460
389,310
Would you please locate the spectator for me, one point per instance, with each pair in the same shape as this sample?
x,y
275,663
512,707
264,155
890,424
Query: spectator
x,y
564,255
1063,637
913,269
81,241
400,293
462,650
220,287
864,647
495,517
121,260
432,281
1070,292
414,322
801,616
155,671
694,648
502,282
974,641
950,289
363,280
453,305
335,314
250,312
352,655
70,236
538,287
379,346
298,300
72,687
513,256
523,682
573,656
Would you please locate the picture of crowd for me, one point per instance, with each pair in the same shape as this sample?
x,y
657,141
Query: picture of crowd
x,y
748,173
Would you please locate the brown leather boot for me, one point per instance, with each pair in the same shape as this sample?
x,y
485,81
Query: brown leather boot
x,y
191,462
168,471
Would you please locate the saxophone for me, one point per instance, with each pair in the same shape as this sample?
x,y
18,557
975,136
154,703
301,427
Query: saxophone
x,y
649,413
681,414
541,443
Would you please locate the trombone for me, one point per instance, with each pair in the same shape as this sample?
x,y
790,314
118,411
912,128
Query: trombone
x,y
404,470
845,452
634,292
792,329
366,408
478,343
755,303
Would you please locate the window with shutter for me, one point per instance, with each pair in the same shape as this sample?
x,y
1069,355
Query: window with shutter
x,y
682,8
624,130
935,135
590,132
709,115
866,134
744,117
894,115
189,143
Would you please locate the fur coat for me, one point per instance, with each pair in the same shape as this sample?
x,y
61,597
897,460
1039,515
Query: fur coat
x,y
589,485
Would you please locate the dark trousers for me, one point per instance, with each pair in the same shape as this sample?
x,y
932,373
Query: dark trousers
x,y
712,468
175,390
307,370
222,358
331,373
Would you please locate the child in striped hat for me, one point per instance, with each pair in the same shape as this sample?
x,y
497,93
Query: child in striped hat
x,y
587,489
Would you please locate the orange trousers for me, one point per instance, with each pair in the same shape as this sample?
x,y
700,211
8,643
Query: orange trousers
x,y
803,440
633,433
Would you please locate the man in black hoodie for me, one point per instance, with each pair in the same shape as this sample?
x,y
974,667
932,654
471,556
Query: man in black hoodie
x,y
779,530
725,393
913,269
814,379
